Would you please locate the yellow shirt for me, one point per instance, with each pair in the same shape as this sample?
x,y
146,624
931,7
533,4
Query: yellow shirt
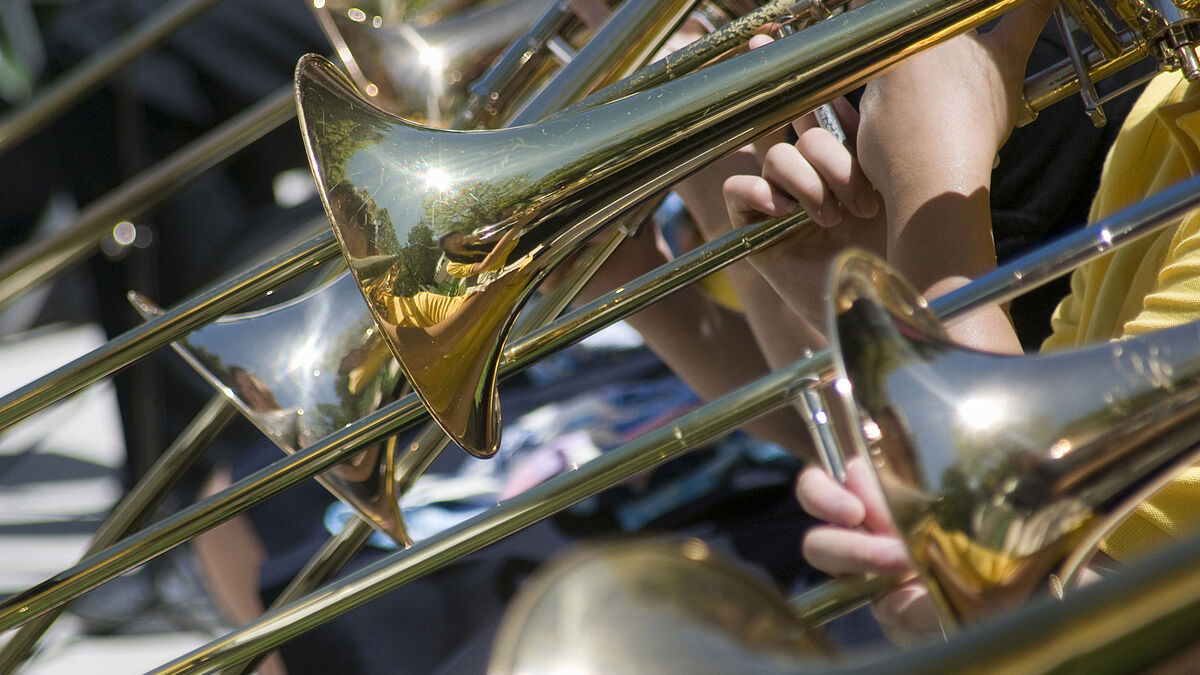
x,y
1147,284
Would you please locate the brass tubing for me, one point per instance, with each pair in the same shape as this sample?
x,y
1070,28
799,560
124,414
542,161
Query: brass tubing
x,y
334,554
838,597
337,447
337,552
421,452
497,82
1059,81
43,259
1025,272
134,509
704,424
1122,624
172,325
552,303
1058,257
609,54
49,103
676,64
650,287
1028,271
182,526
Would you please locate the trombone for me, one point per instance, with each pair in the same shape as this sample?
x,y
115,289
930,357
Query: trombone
x,y
50,102
944,19
177,323
705,424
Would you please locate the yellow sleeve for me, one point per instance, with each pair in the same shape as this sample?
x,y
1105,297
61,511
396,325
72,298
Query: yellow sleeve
x,y
460,270
421,310
1175,299
1067,319
1173,512
718,288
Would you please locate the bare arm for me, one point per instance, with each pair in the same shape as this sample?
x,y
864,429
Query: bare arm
x,y
709,347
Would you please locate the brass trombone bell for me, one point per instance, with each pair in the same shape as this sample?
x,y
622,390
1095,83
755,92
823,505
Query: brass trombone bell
x,y
296,380
1141,620
300,371
703,425
379,419
615,607
1002,472
419,61
448,233
446,258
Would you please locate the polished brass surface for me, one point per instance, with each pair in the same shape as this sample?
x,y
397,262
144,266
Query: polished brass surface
x,y
326,563
839,596
450,48
1169,28
160,331
417,61
405,198
1004,283
1139,621
338,446
375,420
302,370
522,65
613,468
266,360
607,608
709,422
612,55
997,468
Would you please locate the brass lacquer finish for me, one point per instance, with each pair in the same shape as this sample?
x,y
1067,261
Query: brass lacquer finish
x,y
995,467
1141,621
302,370
418,60
624,606
446,256
704,425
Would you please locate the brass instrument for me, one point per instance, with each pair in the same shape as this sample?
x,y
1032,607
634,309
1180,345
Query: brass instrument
x,y
1135,622
283,368
446,327
894,33
659,605
50,102
369,481
654,449
372,493
999,482
322,383
658,447
36,262
420,62
407,203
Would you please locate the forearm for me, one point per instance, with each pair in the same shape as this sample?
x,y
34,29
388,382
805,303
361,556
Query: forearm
x,y
714,351
709,347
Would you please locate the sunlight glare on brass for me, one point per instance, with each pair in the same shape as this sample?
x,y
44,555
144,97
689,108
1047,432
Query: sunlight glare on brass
x,y
1003,471
650,606
302,370
416,58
